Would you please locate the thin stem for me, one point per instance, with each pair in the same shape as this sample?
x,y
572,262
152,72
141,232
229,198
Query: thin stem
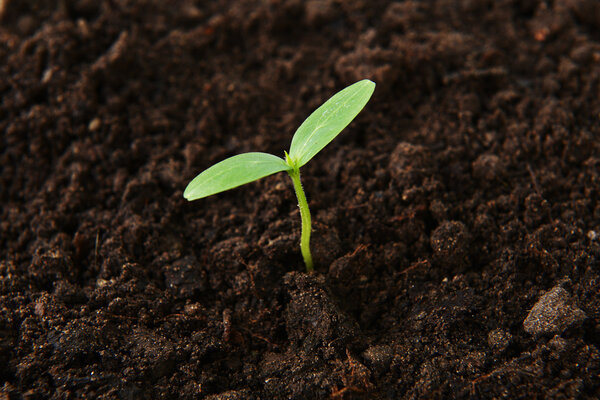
x,y
305,216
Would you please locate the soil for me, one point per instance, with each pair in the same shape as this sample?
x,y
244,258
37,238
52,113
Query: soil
x,y
456,220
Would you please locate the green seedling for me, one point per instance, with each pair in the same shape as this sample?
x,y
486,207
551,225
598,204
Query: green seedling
x,y
320,128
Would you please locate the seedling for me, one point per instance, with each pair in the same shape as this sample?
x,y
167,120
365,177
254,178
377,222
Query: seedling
x,y
320,128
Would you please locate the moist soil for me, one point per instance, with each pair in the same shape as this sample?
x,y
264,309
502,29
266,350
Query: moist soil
x,y
456,220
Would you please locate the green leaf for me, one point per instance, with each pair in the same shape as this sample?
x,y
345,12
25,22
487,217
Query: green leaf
x,y
327,121
233,172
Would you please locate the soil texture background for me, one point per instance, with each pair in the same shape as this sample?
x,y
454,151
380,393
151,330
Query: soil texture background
x,y
456,229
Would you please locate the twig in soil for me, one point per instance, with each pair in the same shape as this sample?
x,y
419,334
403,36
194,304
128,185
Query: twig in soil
x,y
534,179
250,270
226,324
96,248
414,266
412,214
259,337
353,365
316,132
361,247
497,371
338,394
354,207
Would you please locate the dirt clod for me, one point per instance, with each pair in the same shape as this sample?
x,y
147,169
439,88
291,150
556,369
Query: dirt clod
x,y
450,242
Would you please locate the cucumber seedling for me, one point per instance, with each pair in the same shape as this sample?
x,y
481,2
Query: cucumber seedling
x,y
320,128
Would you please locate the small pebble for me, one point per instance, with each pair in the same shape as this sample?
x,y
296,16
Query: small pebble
x,y
94,124
553,313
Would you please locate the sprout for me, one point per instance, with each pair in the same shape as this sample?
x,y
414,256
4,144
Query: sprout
x,y
320,128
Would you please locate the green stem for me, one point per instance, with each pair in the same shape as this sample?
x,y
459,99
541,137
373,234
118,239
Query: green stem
x,y
305,216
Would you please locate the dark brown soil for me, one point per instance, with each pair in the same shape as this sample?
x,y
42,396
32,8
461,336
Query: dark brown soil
x,y
456,221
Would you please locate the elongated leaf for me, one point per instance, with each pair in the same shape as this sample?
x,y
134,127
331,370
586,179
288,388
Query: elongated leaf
x,y
233,172
327,121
